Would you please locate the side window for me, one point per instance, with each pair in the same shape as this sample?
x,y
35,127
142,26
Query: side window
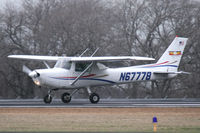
x,y
81,66
67,65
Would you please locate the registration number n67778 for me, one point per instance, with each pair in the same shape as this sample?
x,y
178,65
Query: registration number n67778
x,y
128,76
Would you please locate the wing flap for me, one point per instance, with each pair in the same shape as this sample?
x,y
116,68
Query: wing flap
x,y
109,58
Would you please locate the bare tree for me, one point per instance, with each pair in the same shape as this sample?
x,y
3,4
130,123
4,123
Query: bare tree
x,y
128,27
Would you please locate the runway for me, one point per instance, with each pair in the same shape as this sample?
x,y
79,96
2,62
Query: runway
x,y
104,103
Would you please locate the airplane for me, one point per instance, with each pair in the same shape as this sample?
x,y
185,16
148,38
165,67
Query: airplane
x,y
86,72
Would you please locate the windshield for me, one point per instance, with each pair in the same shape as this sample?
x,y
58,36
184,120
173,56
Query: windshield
x,y
63,64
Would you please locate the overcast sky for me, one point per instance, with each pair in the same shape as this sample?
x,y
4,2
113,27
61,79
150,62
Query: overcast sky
x,y
19,2
15,2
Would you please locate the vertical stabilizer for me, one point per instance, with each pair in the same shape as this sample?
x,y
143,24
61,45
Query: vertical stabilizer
x,y
172,56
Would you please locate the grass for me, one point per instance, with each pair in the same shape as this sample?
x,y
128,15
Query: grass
x,y
176,120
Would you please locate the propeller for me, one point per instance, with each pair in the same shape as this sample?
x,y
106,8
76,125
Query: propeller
x,y
26,70
32,74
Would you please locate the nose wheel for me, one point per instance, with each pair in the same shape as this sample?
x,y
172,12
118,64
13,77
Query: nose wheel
x,y
48,99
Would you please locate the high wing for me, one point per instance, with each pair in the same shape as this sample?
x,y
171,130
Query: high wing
x,y
81,59
109,58
35,57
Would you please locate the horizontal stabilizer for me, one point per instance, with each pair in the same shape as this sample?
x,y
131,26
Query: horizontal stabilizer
x,y
164,72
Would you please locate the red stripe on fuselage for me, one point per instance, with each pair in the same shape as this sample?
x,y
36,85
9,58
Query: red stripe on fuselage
x,y
158,64
87,76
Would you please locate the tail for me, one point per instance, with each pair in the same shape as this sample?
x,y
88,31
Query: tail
x,y
172,56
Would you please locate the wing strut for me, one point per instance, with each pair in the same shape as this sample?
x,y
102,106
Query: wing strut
x,y
46,64
94,52
84,52
82,74
89,66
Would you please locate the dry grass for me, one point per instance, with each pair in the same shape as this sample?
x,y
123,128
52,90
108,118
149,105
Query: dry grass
x,y
99,119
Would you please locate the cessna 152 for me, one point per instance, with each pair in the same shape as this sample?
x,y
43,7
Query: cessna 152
x,y
86,72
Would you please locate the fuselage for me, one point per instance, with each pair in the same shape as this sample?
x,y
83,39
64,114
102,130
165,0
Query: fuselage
x,y
63,78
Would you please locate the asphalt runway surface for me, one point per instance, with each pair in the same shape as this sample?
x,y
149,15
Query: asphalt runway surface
x,y
104,103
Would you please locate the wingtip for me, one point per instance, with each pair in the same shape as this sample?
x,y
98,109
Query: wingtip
x,y
153,59
150,59
10,56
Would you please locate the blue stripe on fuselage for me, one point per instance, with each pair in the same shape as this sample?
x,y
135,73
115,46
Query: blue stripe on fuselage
x,y
85,79
159,66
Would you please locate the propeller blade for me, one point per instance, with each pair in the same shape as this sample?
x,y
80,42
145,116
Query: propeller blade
x,y
26,70
32,74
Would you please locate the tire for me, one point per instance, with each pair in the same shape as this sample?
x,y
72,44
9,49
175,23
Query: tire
x,y
48,99
94,98
66,98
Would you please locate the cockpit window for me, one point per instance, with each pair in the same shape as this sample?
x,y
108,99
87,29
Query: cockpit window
x,y
81,66
63,64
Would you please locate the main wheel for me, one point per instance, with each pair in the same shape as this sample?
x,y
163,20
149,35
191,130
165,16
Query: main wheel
x,y
94,98
66,98
48,99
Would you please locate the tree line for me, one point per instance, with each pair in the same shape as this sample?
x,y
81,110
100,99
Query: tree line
x,y
122,27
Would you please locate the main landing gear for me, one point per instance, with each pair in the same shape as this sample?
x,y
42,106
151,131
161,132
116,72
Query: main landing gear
x,y
66,97
94,98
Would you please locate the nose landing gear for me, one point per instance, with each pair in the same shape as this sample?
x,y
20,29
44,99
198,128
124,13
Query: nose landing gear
x,y
48,99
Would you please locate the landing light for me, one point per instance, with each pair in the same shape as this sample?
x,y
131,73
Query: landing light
x,y
37,82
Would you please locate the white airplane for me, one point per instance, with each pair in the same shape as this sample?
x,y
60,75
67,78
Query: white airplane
x,y
86,72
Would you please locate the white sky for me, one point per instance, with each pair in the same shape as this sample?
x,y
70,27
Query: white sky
x,y
14,2
19,2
